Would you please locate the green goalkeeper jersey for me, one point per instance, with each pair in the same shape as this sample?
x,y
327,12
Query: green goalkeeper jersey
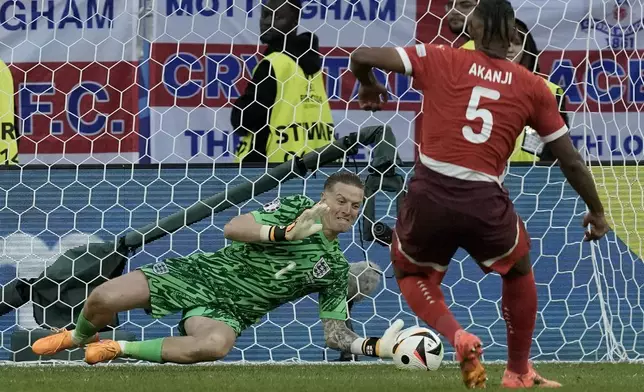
x,y
242,282
276,273
256,278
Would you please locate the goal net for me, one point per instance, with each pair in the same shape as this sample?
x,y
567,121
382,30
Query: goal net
x,y
123,110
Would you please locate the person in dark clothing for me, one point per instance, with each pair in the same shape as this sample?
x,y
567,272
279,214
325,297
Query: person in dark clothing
x,y
251,112
523,50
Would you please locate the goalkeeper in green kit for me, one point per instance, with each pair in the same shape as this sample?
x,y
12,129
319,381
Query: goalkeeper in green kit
x,y
285,250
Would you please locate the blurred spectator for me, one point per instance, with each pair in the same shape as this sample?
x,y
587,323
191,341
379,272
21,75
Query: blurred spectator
x,y
8,129
285,109
456,12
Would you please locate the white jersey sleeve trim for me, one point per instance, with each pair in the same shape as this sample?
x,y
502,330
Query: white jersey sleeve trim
x,y
556,135
405,59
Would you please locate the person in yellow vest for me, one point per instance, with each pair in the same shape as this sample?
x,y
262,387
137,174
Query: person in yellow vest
x,y
525,52
8,129
285,109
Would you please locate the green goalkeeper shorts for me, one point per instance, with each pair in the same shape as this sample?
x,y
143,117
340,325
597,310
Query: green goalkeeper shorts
x,y
179,285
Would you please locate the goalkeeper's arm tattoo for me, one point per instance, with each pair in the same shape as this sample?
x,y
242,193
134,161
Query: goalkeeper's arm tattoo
x,y
337,335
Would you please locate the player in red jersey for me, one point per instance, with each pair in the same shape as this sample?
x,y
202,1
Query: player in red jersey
x,y
476,103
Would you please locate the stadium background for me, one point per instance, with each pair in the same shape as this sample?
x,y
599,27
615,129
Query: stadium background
x,y
75,62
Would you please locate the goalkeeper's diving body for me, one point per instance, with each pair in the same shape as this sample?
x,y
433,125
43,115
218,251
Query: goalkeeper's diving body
x,y
283,251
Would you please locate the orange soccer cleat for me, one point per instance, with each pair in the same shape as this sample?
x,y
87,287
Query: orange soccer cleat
x,y
102,351
468,353
528,380
60,340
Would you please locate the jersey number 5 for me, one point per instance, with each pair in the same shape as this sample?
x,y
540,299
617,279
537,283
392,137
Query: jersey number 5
x,y
474,112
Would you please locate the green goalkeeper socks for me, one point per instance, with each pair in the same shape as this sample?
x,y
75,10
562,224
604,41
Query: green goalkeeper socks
x,y
84,330
148,350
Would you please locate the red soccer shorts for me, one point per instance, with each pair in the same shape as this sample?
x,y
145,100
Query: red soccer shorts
x,y
441,214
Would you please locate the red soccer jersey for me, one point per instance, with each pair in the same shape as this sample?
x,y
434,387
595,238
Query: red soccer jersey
x,y
474,108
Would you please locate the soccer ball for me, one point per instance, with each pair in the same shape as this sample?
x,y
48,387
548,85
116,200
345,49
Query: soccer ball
x,y
418,348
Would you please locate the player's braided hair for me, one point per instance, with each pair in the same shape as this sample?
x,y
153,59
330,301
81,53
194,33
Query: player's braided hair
x,y
344,177
496,16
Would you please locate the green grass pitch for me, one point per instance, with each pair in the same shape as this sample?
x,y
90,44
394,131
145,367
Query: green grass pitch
x,y
300,378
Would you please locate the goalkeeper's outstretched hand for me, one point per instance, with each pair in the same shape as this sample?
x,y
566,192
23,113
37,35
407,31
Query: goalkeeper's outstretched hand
x,y
388,339
306,224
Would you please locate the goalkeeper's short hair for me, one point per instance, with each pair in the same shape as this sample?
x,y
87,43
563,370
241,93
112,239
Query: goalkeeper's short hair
x,y
343,177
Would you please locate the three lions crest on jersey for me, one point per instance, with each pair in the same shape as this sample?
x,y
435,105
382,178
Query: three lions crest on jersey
x,y
272,206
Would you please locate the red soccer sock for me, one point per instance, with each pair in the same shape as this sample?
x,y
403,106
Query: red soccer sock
x,y
426,300
520,312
